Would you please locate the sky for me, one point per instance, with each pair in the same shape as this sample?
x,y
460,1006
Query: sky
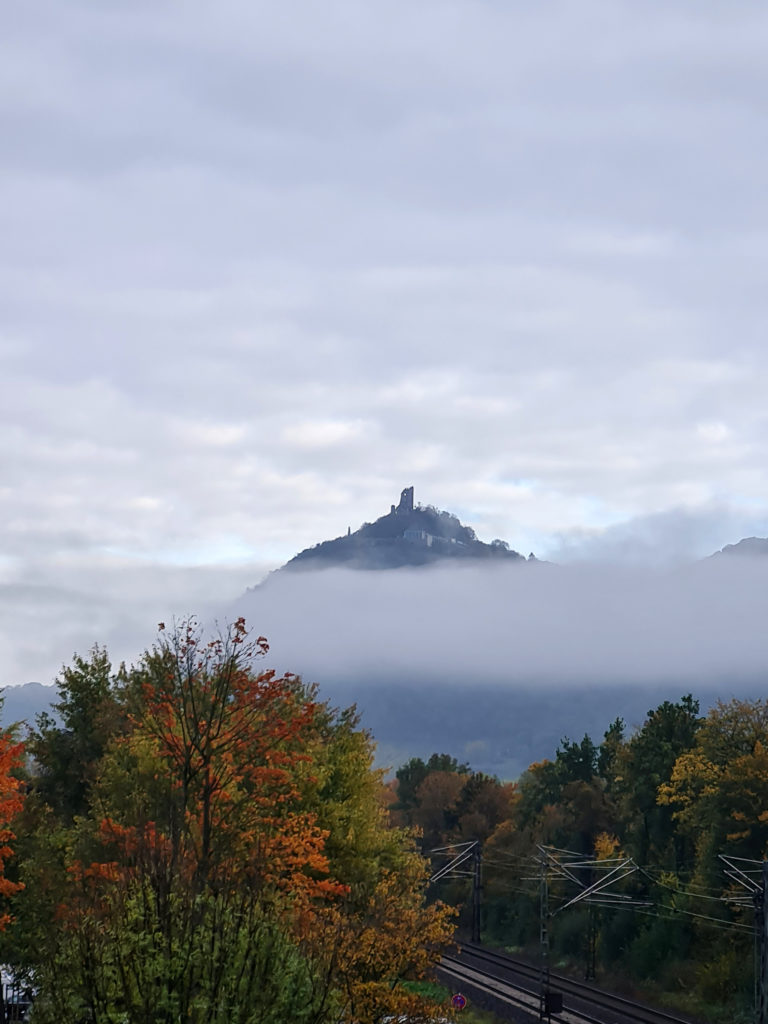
x,y
263,265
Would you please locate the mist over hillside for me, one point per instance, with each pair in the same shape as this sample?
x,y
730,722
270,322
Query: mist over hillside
x,y
495,663
519,623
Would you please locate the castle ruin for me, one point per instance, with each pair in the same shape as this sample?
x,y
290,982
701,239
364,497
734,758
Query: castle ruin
x,y
406,502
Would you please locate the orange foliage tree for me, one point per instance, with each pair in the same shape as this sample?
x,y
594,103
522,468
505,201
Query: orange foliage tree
x,y
11,802
198,869
203,885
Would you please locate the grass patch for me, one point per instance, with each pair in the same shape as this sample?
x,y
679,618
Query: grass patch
x,y
442,995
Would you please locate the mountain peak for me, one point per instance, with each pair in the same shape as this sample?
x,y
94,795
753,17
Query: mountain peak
x,y
409,534
749,547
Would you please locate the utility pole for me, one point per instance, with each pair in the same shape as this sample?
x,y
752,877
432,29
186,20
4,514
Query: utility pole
x,y
477,888
752,875
591,964
761,921
591,969
602,875
544,937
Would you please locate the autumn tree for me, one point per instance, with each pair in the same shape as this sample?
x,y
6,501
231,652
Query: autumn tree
x,y
411,775
609,753
382,931
232,823
718,789
197,859
11,803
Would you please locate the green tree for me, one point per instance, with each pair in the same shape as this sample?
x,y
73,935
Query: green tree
x,y
66,746
643,765
609,753
576,762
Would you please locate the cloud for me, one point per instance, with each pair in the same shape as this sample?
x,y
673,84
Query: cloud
x,y
314,434
668,538
261,268
61,609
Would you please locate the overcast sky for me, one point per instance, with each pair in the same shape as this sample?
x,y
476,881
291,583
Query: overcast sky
x,y
262,265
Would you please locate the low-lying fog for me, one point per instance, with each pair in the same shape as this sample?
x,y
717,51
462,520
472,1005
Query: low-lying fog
x,y
519,623
495,664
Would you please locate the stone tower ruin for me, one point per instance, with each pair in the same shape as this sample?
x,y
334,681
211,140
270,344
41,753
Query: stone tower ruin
x,y
406,501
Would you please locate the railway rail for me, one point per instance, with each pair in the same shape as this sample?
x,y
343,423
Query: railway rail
x,y
515,983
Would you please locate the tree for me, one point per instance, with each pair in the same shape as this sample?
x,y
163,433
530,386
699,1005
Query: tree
x,y
381,936
483,804
411,775
576,762
232,847
11,803
67,745
643,765
199,862
609,752
718,790
436,813
382,930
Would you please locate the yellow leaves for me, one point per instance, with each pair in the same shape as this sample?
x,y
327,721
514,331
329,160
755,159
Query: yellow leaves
x,y
382,933
736,837
693,776
722,781
606,846
375,1001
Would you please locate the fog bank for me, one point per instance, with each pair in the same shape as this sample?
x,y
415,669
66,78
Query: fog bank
x,y
518,624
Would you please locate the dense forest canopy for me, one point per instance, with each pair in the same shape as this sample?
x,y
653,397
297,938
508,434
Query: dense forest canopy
x,y
667,800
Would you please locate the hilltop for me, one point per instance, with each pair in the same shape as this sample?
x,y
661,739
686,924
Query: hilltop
x,y
408,535
749,547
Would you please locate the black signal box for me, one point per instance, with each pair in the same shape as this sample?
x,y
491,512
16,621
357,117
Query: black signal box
x,y
553,1002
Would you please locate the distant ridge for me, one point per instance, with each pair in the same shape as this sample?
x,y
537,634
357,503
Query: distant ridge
x,y
22,704
408,535
749,547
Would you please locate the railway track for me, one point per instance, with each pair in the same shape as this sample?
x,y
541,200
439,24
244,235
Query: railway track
x,y
515,983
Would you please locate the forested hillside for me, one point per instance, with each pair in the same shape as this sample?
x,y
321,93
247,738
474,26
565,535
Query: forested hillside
x,y
408,535
659,806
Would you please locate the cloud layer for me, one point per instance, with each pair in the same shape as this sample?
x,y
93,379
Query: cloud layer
x,y
261,267
519,625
